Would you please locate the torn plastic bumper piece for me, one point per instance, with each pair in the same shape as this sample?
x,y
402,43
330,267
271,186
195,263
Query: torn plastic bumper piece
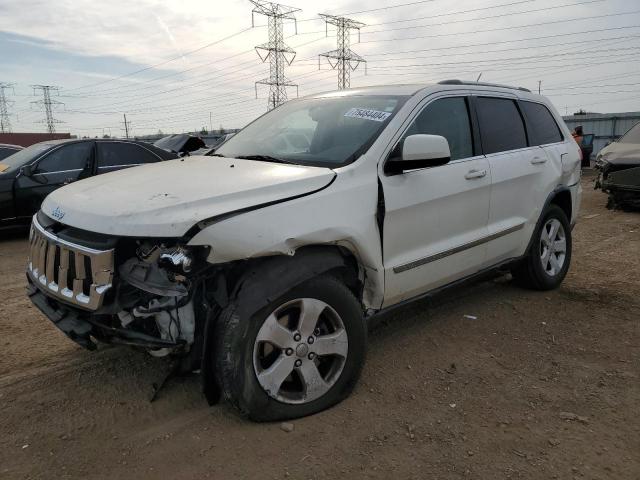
x,y
80,327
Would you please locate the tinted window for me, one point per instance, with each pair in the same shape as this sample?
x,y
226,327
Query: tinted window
x,y
501,125
118,154
25,156
5,152
68,157
543,128
632,136
449,118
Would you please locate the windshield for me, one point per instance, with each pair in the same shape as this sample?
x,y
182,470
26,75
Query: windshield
x,y
18,159
327,132
632,136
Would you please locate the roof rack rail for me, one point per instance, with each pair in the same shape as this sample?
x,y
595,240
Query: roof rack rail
x,y
463,82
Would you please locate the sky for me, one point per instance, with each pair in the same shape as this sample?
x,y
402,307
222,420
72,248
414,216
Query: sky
x,y
182,66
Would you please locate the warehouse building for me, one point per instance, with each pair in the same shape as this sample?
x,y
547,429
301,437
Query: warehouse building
x,y
605,126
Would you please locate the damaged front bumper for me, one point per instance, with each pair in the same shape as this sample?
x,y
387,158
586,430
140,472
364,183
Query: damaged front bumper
x,y
84,328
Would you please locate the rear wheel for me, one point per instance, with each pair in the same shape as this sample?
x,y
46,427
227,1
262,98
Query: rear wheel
x,y
301,354
549,258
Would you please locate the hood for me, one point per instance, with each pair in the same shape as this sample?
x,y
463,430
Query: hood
x,y
166,199
622,154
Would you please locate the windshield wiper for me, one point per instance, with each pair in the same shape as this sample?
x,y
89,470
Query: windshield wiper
x,y
265,158
215,155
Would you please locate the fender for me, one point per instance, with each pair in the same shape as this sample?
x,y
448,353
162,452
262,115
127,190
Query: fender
x,y
559,189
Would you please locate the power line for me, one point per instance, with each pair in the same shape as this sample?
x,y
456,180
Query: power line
x,y
277,52
511,27
489,17
48,105
179,57
346,59
5,124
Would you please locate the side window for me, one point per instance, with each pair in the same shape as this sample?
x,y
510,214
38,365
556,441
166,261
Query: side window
x,y
119,154
6,152
449,118
68,157
543,129
501,126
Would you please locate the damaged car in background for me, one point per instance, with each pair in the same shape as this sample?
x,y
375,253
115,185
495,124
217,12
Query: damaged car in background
x,y
261,269
618,166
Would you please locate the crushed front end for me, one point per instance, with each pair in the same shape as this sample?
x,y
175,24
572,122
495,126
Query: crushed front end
x,y
121,290
620,179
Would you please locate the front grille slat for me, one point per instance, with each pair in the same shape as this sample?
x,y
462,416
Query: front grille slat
x,y
63,269
51,257
87,271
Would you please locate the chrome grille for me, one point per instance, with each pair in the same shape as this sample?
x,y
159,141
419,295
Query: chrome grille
x,y
73,273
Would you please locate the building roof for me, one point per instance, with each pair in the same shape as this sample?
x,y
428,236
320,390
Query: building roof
x,y
27,139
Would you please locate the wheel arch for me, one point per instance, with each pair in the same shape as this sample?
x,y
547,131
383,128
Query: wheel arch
x,y
256,282
561,197
265,278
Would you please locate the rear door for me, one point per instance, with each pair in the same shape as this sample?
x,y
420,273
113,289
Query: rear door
x,y
114,156
518,190
63,165
436,218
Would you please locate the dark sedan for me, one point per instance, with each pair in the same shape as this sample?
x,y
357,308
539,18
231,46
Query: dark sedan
x,y
7,150
28,176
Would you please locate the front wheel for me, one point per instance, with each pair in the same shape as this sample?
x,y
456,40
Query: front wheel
x,y
549,257
299,355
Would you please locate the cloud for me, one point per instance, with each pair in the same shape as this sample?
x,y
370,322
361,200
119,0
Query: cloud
x,y
78,44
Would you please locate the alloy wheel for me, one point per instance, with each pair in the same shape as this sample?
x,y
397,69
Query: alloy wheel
x,y
553,247
300,351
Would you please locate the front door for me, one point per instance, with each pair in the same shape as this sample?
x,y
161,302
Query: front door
x,y
63,165
435,224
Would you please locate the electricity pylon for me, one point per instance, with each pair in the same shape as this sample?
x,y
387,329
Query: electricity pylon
x,y
48,105
275,50
5,124
345,59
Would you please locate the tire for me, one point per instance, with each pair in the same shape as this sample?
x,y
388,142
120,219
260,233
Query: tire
x,y
542,271
249,366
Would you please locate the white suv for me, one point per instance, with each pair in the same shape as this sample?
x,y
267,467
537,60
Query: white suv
x,y
260,266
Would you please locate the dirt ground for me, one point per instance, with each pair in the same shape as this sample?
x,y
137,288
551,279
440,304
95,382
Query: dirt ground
x,y
536,385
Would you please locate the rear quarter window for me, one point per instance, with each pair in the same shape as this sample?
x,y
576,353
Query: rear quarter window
x,y
501,125
543,128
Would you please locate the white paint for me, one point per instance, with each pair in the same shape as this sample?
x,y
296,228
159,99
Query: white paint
x,y
425,147
168,198
428,211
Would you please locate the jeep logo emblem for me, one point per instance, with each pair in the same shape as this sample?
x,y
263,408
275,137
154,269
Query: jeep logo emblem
x,y
57,213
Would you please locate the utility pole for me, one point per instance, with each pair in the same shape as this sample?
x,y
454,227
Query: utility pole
x,y
48,105
210,122
5,124
345,59
126,125
539,86
275,50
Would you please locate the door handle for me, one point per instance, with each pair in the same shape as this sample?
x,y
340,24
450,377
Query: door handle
x,y
538,160
471,174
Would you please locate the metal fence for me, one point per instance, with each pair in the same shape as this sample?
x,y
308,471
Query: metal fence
x,y
605,126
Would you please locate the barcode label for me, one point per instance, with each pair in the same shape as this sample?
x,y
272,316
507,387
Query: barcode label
x,y
368,114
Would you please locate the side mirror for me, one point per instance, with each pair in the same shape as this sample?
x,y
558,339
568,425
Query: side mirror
x,y
420,151
27,171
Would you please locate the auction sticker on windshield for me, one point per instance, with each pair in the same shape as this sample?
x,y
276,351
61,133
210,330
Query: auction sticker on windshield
x,y
368,114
